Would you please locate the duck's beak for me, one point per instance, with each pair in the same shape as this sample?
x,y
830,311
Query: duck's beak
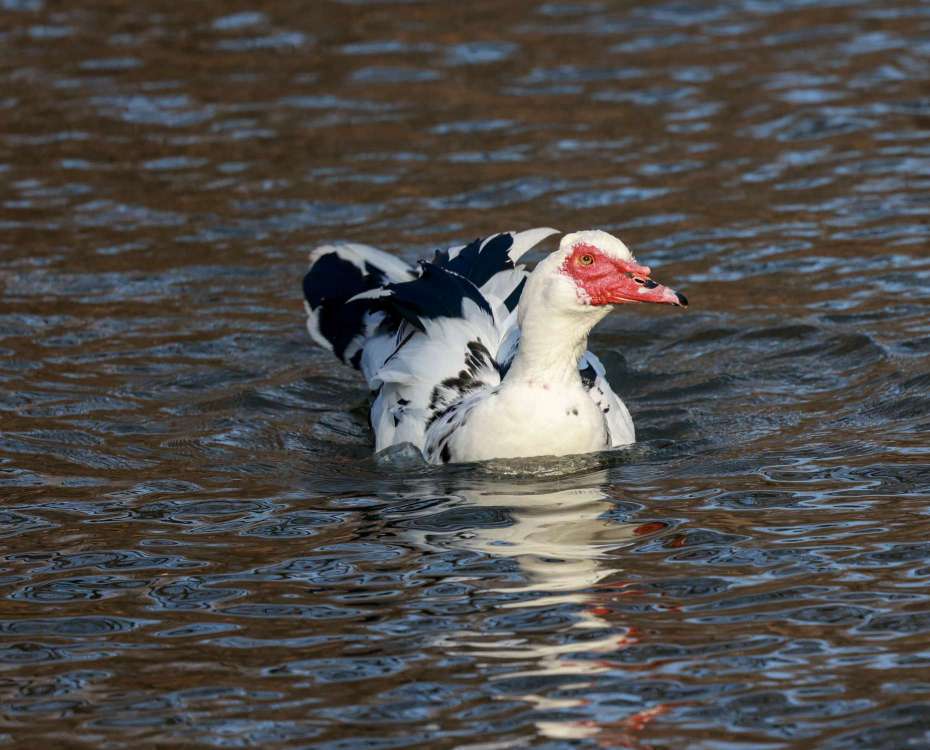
x,y
633,284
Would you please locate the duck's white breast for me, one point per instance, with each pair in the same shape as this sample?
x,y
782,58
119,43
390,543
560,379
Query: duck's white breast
x,y
531,419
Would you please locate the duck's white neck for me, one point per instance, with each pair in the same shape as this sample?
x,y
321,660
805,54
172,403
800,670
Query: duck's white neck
x,y
554,330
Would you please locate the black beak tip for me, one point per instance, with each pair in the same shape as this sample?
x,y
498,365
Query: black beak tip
x,y
682,300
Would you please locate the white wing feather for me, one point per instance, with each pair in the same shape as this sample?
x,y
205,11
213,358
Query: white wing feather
x,y
616,415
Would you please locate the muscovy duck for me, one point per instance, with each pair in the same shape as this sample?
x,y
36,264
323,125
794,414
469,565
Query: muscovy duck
x,y
472,357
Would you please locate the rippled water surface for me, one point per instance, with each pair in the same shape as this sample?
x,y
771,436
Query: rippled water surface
x,y
197,547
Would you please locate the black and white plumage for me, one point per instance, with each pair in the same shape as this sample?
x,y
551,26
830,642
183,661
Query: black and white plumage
x,y
471,356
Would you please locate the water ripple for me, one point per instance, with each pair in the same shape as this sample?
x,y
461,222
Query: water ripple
x,y
199,547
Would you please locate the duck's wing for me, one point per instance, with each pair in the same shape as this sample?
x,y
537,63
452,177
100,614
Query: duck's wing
x,y
616,416
456,319
335,320
492,264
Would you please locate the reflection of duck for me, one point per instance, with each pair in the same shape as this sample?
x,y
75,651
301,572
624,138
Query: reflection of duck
x,y
473,357
561,540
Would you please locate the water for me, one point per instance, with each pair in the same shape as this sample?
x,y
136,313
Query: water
x,y
199,550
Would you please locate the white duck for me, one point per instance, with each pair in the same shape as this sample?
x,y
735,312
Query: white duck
x,y
471,357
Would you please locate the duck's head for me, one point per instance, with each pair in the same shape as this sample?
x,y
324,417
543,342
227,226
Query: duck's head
x,y
593,270
604,272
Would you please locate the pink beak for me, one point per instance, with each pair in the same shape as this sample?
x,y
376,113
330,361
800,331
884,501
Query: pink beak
x,y
634,285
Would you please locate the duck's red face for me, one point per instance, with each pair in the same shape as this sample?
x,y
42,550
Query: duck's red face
x,y
606,280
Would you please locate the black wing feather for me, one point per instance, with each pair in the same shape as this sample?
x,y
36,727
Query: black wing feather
x,y
478,264
329,283
438,293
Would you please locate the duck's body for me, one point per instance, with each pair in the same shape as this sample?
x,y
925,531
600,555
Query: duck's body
x,y
472,357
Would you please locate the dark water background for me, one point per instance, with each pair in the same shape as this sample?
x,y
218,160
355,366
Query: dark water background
x,y
197,549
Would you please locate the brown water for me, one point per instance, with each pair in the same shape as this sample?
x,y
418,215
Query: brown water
x,y
198,549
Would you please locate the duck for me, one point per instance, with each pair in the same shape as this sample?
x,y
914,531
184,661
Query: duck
x,y
470,356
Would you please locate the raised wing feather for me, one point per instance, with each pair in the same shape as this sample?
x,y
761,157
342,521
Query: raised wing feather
x,y
336,320
457,321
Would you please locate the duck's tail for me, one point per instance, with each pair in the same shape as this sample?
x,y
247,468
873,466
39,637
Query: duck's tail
x,y
337,273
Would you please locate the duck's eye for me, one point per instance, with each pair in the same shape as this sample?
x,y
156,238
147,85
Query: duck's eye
x,y
586,260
